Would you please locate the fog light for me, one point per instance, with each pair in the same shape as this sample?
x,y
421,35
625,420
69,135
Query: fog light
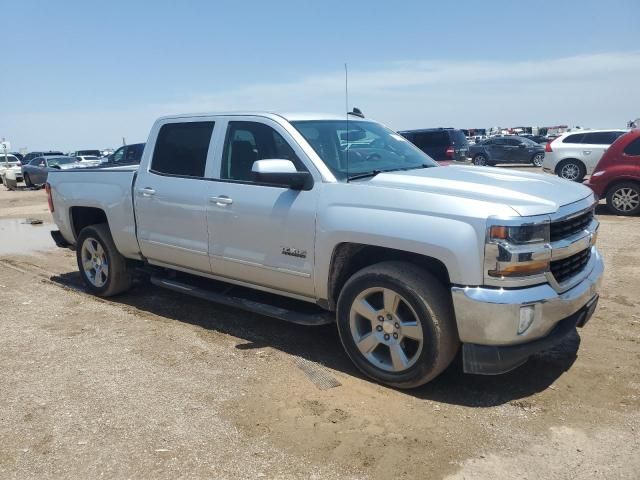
x,y
527,314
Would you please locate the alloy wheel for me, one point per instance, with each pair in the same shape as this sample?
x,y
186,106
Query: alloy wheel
x,y
95,264
570,171
480,160
538,159
386,329
625,199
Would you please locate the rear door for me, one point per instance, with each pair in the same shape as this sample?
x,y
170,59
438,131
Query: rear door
x,y
594,146
172,195
496,150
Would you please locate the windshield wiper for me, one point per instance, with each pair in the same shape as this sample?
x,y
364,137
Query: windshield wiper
x,y
373,173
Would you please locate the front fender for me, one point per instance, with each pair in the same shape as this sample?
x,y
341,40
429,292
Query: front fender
x,y
452,241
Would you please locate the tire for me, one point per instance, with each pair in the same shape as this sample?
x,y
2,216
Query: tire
x,y
428,342
537,160
624,198
480,160
94,249
27,181
571,169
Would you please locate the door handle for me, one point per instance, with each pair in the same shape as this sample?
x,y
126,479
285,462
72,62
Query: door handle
x,y
147,192
222,200
587,152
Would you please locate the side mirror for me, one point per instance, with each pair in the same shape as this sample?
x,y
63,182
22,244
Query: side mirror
x,y
282,173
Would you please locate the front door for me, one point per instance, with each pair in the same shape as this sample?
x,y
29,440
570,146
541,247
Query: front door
x,y
261,234
171,197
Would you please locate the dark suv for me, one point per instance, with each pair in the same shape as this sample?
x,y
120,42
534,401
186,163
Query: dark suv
x,y
127,155
442,144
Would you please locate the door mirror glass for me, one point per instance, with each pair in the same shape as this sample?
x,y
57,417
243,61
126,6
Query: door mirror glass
x,y
282,173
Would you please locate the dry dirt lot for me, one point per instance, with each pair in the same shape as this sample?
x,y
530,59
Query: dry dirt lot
x,y
152,384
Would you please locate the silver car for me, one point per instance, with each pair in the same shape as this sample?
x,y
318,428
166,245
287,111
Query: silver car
x,y
37,170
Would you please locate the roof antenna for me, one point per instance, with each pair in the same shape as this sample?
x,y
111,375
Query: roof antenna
x,y
346,105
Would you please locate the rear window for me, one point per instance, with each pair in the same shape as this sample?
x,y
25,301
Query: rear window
x,y
458,138
181,149
601,138
431,139
633,148
575,138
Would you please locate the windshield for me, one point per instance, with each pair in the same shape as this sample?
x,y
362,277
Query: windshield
x,y
354,147
52,162
84,153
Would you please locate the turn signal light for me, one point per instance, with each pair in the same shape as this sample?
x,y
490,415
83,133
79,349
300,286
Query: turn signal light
x,y
529,268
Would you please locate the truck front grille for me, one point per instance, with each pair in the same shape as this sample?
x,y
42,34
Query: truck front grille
x,y
570,266
565,228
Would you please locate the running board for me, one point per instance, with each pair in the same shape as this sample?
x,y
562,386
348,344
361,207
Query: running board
x,y
240,297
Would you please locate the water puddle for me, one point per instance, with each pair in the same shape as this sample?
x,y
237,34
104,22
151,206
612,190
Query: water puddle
x,y
18,237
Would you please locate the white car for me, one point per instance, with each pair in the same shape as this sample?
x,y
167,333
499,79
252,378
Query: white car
x,y
10,171
575,154
89,160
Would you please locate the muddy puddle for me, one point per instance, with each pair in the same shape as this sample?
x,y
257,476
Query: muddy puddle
x,y
19,237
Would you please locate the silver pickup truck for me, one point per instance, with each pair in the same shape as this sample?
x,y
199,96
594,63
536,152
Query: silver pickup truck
x,y
317,219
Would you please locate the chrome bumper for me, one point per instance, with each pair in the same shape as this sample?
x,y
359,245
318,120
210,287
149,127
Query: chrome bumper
x,y
490,316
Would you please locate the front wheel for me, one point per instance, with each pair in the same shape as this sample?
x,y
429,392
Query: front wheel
x,y
537,160
27,181
624,198
104,271
397,325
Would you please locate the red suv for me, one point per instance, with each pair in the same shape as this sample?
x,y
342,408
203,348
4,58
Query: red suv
x,y
617,175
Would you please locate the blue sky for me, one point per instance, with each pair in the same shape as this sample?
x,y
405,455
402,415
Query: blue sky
x,y
81,74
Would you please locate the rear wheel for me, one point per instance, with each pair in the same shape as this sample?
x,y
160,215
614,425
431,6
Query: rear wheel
x,y
104,271
397,325
27,180
571,170
624,198
537,160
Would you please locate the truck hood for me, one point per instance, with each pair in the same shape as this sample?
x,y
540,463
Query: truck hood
x,y
526,193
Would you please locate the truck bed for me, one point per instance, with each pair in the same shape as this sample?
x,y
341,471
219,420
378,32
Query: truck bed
x,y
107,189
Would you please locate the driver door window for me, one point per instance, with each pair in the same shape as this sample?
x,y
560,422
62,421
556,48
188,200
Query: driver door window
x,y
247,142
118,156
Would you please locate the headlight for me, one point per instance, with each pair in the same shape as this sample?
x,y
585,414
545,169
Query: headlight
x,y
517,253
520,235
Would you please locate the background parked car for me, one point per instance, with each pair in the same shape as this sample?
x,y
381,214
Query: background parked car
x,y
508,149
18,155
31,155
575,154
85,153
37,170
442,144
617,175
127,155
89,160
10,166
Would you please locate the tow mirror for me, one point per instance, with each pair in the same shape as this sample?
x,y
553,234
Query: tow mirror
x,y
281,173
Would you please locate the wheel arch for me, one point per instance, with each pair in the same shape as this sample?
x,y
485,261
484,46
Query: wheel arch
x,y
82,217
569,159
348,258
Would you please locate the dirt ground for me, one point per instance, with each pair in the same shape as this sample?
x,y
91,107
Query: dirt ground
x,y
152,384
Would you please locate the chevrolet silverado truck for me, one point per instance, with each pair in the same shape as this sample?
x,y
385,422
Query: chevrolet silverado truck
x,y
317,219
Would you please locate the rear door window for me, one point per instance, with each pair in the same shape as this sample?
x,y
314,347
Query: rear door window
x,y
181,149
633,148
601,138
458,138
